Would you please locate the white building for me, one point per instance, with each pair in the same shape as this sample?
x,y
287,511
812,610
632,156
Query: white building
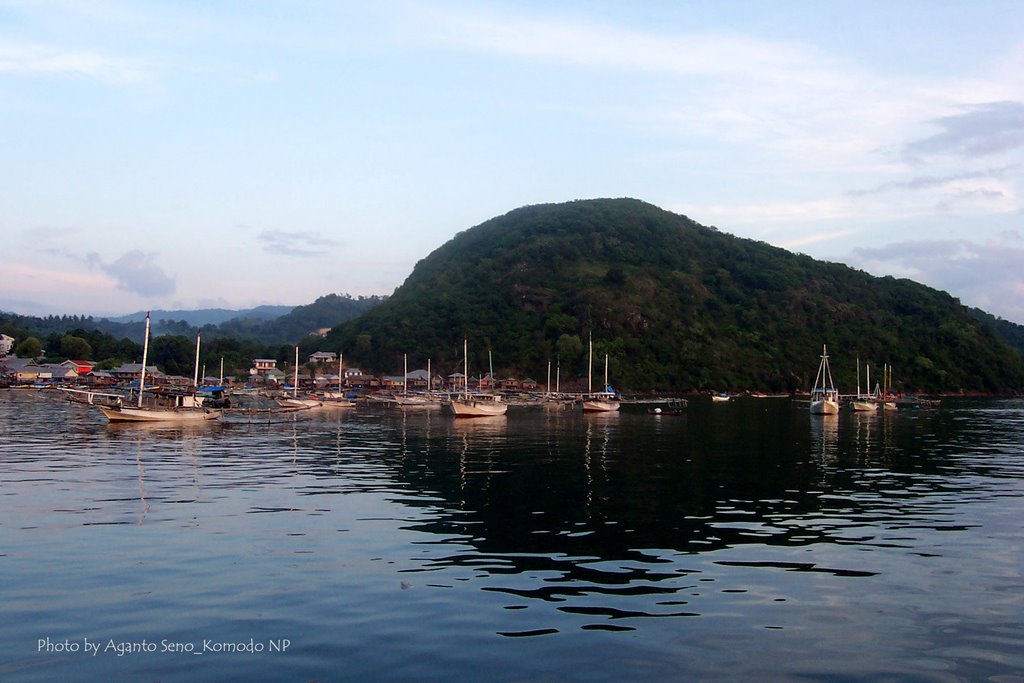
x,y
6,344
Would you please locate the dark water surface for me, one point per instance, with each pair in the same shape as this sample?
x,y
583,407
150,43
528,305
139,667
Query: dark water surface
x,y
742,541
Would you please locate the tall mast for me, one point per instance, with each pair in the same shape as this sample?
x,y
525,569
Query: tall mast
x,y
145,355
221,382
295,381
430,378
341,359
490,368
195,379
605,372
590,364
405,379
549,378
465,360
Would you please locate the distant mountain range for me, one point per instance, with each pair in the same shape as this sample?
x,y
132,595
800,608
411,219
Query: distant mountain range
x,y
267,325
207,316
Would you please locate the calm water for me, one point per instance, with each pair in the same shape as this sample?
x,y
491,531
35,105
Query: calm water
x,y
742,541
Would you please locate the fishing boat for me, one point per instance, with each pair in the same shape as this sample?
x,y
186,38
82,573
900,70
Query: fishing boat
x,y
162,406
479,404
606,401
824,395
180,409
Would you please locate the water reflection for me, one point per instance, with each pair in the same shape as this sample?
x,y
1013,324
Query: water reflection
x,y
698,528
825,436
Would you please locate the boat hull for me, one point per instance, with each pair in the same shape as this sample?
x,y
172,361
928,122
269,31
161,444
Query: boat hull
x,y
600,406
471,408
124,414
824,407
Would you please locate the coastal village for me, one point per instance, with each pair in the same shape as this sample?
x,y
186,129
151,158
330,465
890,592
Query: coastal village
x,y
264,374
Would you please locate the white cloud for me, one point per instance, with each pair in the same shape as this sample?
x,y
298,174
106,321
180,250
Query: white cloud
x,y
307,243
136,272
24,59
987,275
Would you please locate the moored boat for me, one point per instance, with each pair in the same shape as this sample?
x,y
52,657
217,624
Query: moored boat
x,y
824,395
476,405
606,401
157,414
861,403
162,406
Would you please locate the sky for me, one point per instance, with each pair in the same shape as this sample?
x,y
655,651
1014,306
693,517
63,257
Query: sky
x,y
165,155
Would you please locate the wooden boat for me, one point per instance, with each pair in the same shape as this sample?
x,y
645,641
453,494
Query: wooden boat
x,y
720,398
824,395
162,407
335,399
300,403
602,401
157,414
476,405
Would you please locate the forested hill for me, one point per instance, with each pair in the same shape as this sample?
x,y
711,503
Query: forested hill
x,y
677,305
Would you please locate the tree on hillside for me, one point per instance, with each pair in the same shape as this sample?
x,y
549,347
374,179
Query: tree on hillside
x,y
174,353
75,347
30,348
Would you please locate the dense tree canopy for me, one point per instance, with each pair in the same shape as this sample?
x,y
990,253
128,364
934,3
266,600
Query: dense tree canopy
x,y
675,304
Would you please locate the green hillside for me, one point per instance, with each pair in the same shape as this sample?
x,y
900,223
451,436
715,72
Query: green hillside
x,y
677,305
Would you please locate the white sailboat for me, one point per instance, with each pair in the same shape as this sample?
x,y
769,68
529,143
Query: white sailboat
x,y
604,401
337,399
162,408
824,395
405,400
862,403
295,401
479,404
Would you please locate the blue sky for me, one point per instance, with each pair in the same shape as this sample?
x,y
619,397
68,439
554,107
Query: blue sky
x,y
193,154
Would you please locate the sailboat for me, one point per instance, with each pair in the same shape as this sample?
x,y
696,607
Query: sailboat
x,y
162,407
863,404
824,395
602,401
884,397
476,405
295,401
337,399
405,400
